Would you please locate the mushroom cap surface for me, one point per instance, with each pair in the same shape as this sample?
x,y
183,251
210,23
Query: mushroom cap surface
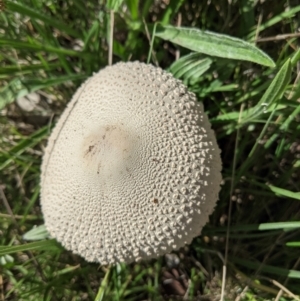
x,y
132,169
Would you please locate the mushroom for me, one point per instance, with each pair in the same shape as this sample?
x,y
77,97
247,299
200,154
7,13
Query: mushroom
x,y
132,169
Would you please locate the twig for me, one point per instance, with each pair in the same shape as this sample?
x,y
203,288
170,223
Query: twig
x,y
1,289
230,208
151,45
278,37
286,281
200,266
282,289
228,17
179,20
28,217
2,5
186,295
111,38
249,282
219,254
268,254
241,295
7,206
258,25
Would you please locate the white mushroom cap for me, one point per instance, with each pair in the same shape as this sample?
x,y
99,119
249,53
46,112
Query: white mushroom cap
x,y
132,169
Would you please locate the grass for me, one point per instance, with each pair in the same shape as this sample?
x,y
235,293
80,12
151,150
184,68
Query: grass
x,y
50,47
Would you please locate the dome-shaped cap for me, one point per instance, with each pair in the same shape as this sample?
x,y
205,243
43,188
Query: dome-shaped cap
x,y
132,169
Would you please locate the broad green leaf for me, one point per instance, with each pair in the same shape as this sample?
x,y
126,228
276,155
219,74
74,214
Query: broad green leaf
x,y
273,93
190,67
184,61
213,44
36,233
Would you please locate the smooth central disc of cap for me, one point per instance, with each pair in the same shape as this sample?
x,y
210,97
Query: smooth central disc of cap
x,y
106,152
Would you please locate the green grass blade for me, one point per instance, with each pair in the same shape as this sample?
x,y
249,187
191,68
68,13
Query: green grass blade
x,y
280,192
133,6
295,58
30,204
18,149
114,4
267,268
12,69
213,44
246,235
283,127
17,88
289,13
146,7
10,92
284,192
32,246
171,10
91,34
16,7
293,244
37,47
247,16
284,226
38,84
67,270
273,93
103,286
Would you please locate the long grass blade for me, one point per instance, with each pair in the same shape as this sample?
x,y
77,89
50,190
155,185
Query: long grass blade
x,y
33,246
267,268
17,7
